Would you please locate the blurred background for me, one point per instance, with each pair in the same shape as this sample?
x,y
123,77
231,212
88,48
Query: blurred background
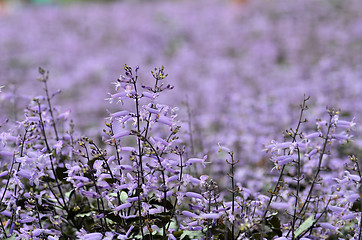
x,y
240,68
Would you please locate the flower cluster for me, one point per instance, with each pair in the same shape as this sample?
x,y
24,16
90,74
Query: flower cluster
x,y
138,181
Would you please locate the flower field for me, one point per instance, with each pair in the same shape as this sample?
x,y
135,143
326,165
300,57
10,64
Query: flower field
x,y
229,120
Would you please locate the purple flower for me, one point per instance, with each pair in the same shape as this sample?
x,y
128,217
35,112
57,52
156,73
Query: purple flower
x,y
197,160
123,206
153,110
126,167
346,124
121,134
327,225
36,232
312,135
348,216
25,174
336,209
128,149
173,178
125,236
80,178
6,213
6,153
280,205
119,114
58,146
311,153
188,178
190,214
209,215
149,95
282,160
165,120
4,173
93,236
132,199
194,195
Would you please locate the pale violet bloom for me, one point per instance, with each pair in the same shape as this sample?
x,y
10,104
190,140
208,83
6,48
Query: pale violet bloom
x,y
189,214
58,146
125,236
197,160
209,215
93,236
194,195
327,225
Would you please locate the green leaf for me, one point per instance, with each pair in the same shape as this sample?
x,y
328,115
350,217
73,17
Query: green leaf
x,y
12,237
167,204
192,234
60,173
148,237
114,218
356,206
177,234
109,180
186,238
2,207
161,220
87,214
112,194
47,179
70,194
305,225
124,196
274,222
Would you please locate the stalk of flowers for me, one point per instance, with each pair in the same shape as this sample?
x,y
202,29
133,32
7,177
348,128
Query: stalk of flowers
x,y
35,191
218,214
308,184
143,166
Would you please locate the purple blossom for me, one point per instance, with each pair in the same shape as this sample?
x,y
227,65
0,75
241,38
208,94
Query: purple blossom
x,y
164,120
348,216
92,236
280,205
119,114
4,173
194,195
123,206
197,160
121,134
327,226
209,216
282,160
25,174
190,214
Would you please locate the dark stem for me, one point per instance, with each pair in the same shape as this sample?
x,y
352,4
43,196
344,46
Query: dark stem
x,y
50,155
50,106
99,199
178,189
315,179
297,194
277,186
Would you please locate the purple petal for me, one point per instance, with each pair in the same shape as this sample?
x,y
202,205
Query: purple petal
x,y
25,174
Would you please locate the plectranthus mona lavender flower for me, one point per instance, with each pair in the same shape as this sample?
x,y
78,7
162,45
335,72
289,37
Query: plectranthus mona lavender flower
x,y
140,183
33,195
309,179
135,183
